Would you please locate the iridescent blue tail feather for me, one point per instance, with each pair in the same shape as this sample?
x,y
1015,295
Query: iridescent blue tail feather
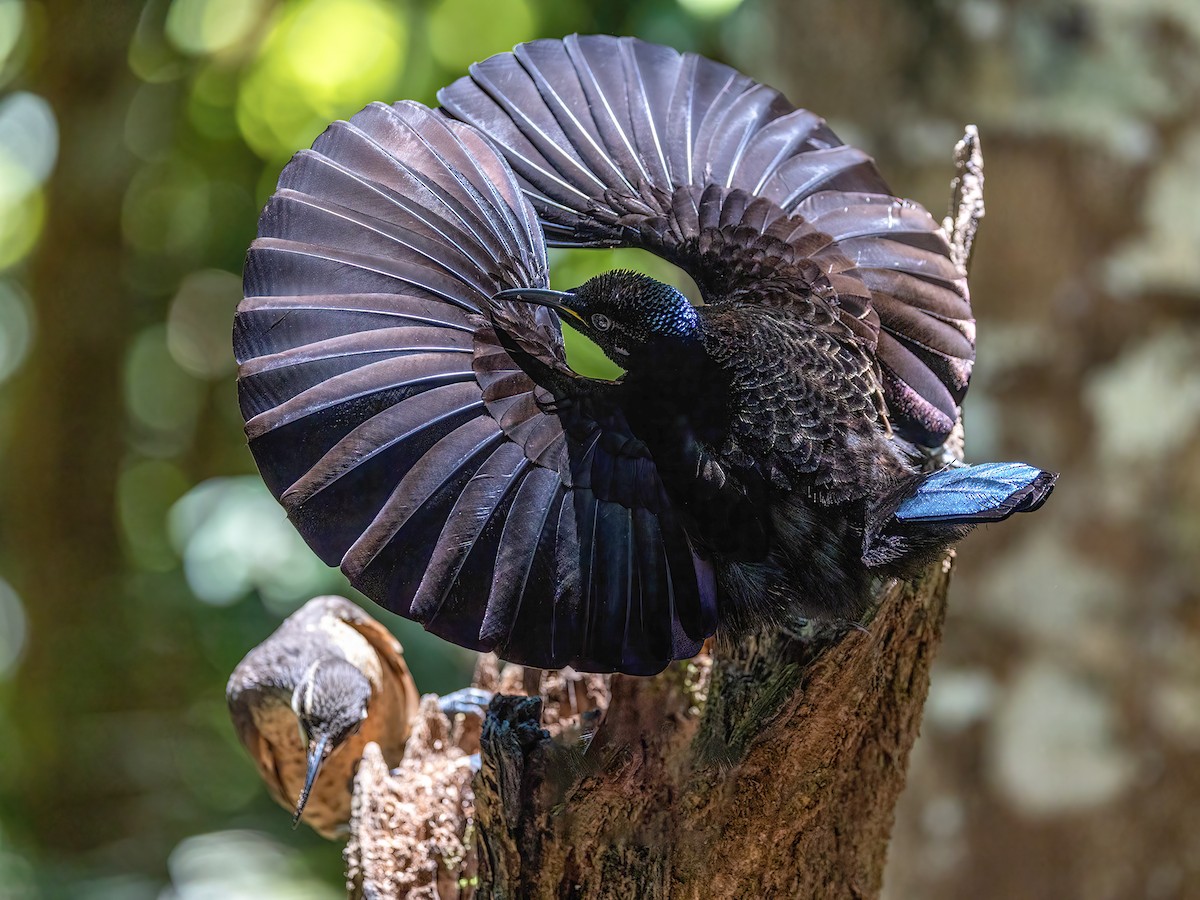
x,y
922,517
988,492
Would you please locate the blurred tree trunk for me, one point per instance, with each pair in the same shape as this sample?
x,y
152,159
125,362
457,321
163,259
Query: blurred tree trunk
x,y
1060,756
66,439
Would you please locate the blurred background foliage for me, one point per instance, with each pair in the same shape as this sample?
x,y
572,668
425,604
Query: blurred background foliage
x,y
140,556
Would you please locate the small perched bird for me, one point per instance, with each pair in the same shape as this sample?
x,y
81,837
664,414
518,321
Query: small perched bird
x,y
308,699
408,399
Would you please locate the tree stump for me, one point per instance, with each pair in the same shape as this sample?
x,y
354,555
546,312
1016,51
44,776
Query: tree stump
x,y
771,771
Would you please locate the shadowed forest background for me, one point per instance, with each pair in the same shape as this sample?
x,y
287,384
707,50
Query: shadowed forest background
x,y
140,556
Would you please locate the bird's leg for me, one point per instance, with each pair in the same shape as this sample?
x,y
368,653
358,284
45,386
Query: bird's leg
x,y
468,701
472,704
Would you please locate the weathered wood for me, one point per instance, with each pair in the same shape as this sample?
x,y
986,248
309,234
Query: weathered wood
x,y
771,770
966,198
781,783
410,830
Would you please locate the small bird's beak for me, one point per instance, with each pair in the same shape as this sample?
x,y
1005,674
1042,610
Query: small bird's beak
x,y
555,300
316,756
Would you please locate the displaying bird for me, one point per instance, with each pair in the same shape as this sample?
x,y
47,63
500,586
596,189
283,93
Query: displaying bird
x,y
308,699
408,399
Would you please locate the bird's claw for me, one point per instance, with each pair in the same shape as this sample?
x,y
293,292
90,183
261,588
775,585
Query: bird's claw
x,y
468,701
553,406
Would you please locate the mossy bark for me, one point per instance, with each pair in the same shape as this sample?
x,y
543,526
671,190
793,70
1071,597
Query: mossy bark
x,y
781,783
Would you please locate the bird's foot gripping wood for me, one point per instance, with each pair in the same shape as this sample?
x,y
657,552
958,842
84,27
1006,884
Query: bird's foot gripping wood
x,y
415,830
468,702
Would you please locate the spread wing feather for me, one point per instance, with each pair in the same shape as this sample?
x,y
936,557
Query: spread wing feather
x,y
400,427
622,143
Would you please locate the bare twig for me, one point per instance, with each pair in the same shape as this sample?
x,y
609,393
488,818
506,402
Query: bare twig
x,y
966,198
960,226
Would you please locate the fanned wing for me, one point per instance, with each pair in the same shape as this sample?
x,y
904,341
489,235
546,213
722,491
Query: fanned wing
x,y
620,142
407,444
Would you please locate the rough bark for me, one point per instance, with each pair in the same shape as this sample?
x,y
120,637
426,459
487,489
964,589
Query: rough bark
x,y
769,769
409,829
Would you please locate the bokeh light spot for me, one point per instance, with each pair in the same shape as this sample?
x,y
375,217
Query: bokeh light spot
x,y
709,9
12,629
150,122
28,150
211,104
234,538
16,871
241,865
207,740
146,491
163,400
21,219
16,328
464,31
322,60
198,323
202,27
151,57
28,135
12,20
166,210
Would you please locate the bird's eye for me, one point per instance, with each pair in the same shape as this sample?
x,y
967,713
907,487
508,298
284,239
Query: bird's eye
x,y
601,322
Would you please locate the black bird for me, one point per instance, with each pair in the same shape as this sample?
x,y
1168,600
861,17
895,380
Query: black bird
x,y
408,399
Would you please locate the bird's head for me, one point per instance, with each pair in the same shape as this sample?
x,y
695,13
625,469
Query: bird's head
x,y
625,313
330,701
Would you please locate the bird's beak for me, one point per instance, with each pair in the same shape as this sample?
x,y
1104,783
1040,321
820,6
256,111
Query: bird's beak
x,y
316,756
555,300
